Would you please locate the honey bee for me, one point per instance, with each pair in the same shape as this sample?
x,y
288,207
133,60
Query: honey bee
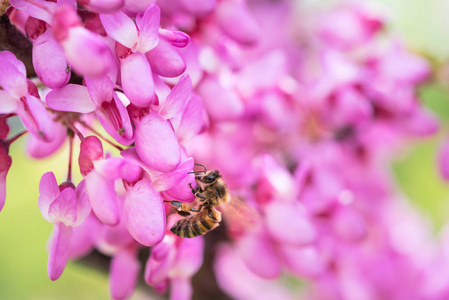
x,y
211,188
211,191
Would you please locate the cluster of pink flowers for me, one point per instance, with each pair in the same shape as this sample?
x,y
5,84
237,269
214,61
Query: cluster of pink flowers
x,y
299,108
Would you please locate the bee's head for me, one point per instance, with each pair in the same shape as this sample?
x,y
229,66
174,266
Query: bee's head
x,y
209,177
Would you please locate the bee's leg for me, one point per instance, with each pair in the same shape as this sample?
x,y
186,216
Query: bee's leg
x,y
182,208
198,192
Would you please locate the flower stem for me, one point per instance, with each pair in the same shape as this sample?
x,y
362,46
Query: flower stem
x,y
69,172
75,130
14,138
101,136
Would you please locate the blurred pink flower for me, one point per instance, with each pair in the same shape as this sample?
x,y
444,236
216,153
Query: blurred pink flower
x,y
173,262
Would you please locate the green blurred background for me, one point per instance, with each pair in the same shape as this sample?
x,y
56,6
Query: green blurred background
x,y
24,233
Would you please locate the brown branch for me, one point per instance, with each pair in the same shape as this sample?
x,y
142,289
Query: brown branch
x,y
13,40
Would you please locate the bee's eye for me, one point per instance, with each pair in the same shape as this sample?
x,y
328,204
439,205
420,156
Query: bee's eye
x,y
209,179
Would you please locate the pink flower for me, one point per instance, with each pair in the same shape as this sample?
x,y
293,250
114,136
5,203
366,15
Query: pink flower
x,y
87,53
49,60
20,95
350,26
100,175
443,161
238,281
65,207
124,273
5,161
101,6
156,141
144,207
144,213
133,44
236,20
173,262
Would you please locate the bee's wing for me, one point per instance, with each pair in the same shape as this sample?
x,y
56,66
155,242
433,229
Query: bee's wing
x,y
239,217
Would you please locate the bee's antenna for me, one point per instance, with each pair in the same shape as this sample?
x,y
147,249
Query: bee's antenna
x,y
195,172
201,166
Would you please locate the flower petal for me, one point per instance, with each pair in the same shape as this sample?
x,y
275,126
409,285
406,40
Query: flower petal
x,y
181,288
258,255
189,257
133,7
181,191
91,149
192,121
2,189
131,154
101,89
145,214
279,178
200,8
139,89
123,272
281,215
40,149
48,191
39,9
149,29
118,168
82,241
303,261
237,21
166,181
5,164
87,53
421,123
36,118
72,97
156,143
8,103
11,79
10,57
240,283
104,6
444,161
82,203
158,264
59,250
115,119
349,224
63,208
121,28
49,61
177,99
221,103
110,239
103,198
178,39
166,60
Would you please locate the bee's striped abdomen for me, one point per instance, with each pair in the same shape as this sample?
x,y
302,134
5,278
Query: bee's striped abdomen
x,y
195,225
